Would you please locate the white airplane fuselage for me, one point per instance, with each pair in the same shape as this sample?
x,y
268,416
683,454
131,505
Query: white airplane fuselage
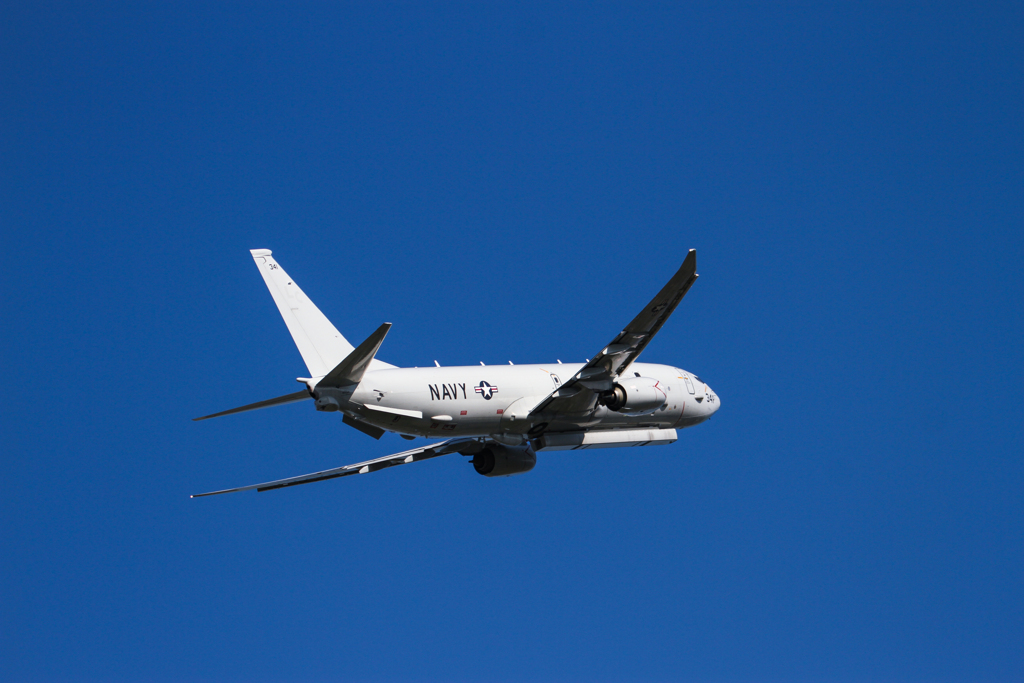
x,y
479,400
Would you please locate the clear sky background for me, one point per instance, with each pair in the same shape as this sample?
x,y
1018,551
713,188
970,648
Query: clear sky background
x,y
513,183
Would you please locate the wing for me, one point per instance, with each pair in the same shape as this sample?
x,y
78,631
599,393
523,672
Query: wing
x,y
579,395
415,455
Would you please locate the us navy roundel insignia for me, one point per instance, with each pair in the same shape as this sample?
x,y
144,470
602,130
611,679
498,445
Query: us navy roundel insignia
x,y
485,390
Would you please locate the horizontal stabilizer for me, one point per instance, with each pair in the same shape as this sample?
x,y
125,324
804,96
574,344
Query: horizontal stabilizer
x,y
269,403
350,370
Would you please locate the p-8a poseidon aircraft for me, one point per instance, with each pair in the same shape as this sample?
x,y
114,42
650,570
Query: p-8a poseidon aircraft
x,y
501,415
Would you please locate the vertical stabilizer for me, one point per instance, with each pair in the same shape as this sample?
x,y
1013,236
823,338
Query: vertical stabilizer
x,y
321,345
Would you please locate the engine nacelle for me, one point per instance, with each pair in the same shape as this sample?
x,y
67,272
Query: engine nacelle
x,y
495,460
638,396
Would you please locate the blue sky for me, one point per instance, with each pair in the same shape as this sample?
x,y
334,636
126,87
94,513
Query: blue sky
x,y
513,182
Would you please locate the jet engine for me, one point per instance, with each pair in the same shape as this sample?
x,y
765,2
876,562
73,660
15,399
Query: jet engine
x,y
638,396
495,460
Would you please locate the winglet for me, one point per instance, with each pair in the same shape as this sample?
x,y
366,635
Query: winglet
x,y
350,370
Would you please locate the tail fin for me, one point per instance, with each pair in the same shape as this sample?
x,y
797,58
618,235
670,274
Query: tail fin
x,y
321,345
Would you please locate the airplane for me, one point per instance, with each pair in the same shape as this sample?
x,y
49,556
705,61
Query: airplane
x,y
501,415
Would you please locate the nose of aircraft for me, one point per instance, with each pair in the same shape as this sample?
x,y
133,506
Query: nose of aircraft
x,y
715,402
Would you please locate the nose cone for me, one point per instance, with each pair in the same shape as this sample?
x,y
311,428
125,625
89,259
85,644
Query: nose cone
x,y
713,402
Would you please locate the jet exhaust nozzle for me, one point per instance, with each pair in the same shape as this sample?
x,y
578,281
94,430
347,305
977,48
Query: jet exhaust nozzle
x,y
496,460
